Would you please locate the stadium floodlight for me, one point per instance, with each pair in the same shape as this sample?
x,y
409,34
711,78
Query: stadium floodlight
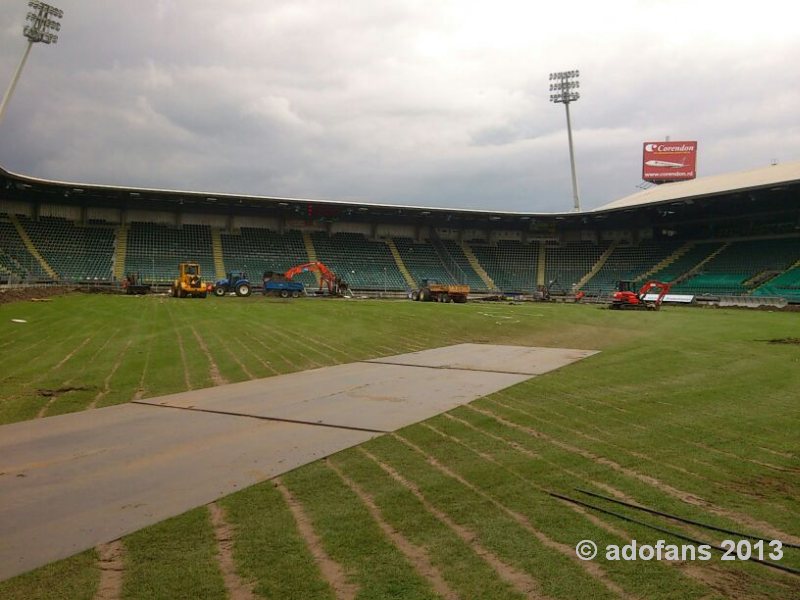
x,y
42,25
563,86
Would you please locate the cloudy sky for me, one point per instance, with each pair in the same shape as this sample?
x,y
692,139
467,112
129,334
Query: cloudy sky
x,y
425,102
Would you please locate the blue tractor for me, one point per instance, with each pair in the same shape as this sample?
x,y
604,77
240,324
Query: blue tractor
x,y
235,282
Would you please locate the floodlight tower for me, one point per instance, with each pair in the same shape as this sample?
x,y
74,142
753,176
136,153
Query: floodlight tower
x,y
40,29
562,90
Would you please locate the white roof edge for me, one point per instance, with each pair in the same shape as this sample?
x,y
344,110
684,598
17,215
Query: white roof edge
x,y
354,203
707,186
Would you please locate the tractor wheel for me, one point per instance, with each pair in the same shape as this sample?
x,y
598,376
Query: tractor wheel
x,y
423,296
219,291
295,294
284,293
444,298
243,289
415,295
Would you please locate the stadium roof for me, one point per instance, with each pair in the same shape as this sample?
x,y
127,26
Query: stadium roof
x,y
717,185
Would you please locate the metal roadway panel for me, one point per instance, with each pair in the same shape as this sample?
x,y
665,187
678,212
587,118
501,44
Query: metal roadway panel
x,y
72,481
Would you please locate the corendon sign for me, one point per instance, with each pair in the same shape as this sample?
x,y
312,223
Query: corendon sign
x,y
669,161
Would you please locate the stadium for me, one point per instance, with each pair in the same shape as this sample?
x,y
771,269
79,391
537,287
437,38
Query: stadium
x,y
527,443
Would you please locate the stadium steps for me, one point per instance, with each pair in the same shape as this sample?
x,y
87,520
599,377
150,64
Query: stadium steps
x,y
312,254
695,269
400,264
216,248
23,235
598,265
667,261
476,266
541,265
120,250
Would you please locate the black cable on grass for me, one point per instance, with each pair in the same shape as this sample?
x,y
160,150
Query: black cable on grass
x,y
652,511
681,536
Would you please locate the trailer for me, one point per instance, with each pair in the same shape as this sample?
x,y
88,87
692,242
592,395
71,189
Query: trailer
x,y
431,290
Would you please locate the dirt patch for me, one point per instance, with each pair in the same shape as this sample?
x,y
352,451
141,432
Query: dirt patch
x,y
519,580
416,555
331,570
111,564
59,391
237,588
788,340
20,294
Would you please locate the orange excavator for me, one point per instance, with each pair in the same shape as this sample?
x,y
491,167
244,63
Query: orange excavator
x,y
626,298
336,285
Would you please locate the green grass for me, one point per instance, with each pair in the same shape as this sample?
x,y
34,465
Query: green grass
x,y
680,403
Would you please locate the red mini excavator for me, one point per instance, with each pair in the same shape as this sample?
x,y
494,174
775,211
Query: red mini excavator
x,y
626,298
336,285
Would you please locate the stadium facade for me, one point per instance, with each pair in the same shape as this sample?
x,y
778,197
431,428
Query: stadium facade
x,y
728,235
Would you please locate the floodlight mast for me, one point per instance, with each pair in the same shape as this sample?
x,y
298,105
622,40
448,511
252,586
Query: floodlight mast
x,y
40,29
562,90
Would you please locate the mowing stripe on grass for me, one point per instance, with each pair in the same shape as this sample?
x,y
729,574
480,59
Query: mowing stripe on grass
x,y
519,580
353,539
756,524
111,562
557,575
591,568
237,588
174,559
619,534
331,570
416,555
213,369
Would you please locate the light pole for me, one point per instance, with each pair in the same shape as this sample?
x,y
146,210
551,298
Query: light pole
x,y
562,86
40,29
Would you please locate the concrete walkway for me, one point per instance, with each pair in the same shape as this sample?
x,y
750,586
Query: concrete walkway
x,y
70,482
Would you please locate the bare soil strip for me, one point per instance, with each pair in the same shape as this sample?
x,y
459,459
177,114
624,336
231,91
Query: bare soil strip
x,y
416,555
294,342
107,381
111,564
233,355
755,524
236,587
514,445
331,570
593,569
72,353
216,376
519,580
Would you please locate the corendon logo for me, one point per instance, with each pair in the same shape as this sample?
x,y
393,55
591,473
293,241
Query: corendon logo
x,y
669,148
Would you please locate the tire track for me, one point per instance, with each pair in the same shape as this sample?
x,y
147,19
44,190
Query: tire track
x,y
416,555
519,580
767,529
107,381
236,587
592,569
111,563
331,570
216,376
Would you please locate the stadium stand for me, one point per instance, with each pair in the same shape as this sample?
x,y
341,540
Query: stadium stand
x,y
464,271
362,263
511,264
739,262
422,261
14,255
628,262
566,264
690,259
786,285
255,251
76,253
155,250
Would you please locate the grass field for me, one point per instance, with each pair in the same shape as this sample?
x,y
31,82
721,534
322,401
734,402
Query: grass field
x,y
690,411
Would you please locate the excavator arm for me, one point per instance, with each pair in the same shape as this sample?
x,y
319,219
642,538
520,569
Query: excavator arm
x,y
326,274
